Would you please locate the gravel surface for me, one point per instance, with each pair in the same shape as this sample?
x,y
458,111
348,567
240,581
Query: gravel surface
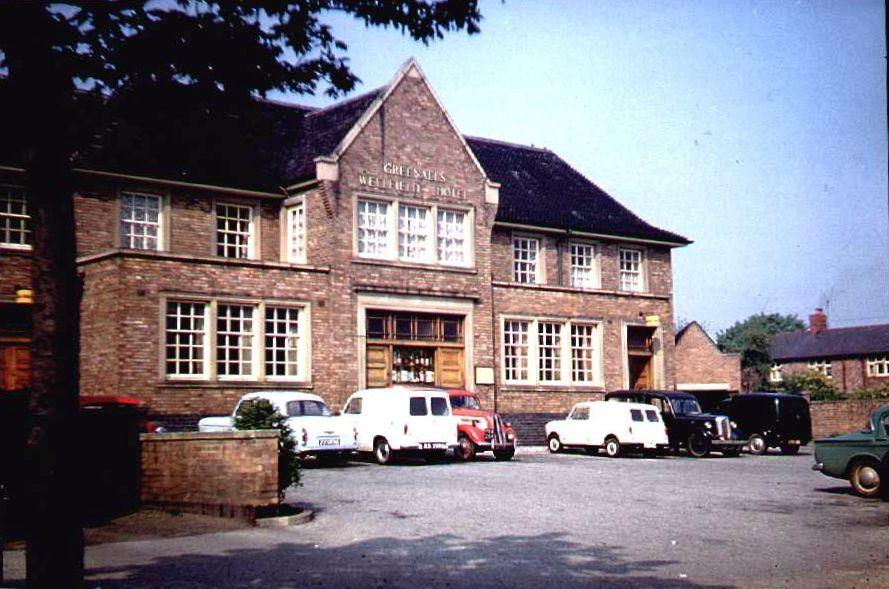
x,y
565,520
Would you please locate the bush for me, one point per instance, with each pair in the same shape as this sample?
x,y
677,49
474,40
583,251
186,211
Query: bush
x,y
874,392
260,414
819,387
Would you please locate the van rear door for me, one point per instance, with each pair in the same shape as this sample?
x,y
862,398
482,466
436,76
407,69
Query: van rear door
x,y
649,426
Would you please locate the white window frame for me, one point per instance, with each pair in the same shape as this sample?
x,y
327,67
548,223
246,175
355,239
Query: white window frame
x,y
595,279
531,363
11,192
252,230
295,246
566,376
258,348
643,282
161,241
878,366
418,235
254,347
302,358
393,231
206,346
538,277
467,237
595,370
825,367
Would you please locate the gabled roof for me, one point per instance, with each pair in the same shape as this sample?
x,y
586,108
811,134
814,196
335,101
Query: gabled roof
x,y
685,329
539,188
867,340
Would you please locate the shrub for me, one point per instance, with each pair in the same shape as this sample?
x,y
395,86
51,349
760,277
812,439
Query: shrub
x,y
260,414
819,387
880,391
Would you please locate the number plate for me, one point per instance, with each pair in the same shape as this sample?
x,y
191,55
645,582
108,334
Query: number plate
x,y
334,441
432,446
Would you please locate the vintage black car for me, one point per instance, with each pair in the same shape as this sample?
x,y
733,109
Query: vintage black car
x,y
687,426
770,420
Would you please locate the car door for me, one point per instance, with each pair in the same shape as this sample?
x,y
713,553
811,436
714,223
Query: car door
x,y
576,426
663,405
352,416
443,425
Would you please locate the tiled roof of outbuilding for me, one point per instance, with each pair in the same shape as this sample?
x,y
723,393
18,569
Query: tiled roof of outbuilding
x,y
866,340
539,188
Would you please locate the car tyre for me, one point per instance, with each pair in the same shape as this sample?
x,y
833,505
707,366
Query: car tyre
x,y
698,445
612,447
866,478
788,450
504,455
465,449
757,445
383,451
554,443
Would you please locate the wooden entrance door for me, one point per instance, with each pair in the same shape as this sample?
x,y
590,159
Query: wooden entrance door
x,y
450,368
15,364
378,364
640,372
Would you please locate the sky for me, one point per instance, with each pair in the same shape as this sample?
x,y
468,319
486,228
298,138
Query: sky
x,y
756,129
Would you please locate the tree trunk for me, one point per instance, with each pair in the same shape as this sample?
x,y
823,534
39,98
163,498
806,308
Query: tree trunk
x,y
43,94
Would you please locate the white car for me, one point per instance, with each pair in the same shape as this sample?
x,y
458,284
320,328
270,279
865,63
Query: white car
x,y
315,431
616,427
402,420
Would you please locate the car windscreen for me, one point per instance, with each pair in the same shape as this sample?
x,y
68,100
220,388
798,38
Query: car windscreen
x,y
651,415
306,408
465,402
418,406
685,406
439,405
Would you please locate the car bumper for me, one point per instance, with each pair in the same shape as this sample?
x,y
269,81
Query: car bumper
x,y
819,466
728,443
326,449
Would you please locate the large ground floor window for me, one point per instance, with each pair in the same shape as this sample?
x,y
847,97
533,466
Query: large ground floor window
x,y
414,348
222,340
548,351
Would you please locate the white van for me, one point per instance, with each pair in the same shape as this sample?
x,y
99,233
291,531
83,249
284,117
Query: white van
x,y
616,427
396,420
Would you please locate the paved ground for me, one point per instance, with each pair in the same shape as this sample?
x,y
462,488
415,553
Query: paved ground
x,y
541,520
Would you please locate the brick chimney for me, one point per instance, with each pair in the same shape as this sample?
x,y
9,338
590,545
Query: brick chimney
x,y
817,322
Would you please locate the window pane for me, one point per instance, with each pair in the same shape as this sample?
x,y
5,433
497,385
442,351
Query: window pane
x,y
631,270
233,236
652,416
525,253
15,222
549,351
413,230
439,406
451,237
515,350
296,226
282,340
140,221
418,406
373,230
185,338
583,271
636,415
583,353
234,340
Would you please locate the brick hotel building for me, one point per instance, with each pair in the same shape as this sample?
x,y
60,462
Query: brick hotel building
x,y
368,243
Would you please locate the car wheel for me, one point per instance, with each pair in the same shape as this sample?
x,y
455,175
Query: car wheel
x,y
698,445
382,451
465,449
554,443
865,477
612,447
789,450
757,445
505,454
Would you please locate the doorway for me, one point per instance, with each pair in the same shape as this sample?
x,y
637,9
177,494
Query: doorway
x,y
640,356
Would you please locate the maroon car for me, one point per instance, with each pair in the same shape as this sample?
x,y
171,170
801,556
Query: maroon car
x,y
479,430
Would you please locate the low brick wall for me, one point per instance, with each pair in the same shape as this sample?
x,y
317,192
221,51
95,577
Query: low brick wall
x,y
224,473
529,427
840,417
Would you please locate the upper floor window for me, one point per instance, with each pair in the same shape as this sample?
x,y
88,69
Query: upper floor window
x,y
775,373
583,265
296,233
878,366
631,270
412,233
15,222
822,366
141,221
525,259
234,231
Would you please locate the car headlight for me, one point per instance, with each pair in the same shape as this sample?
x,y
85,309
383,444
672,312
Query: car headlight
x,y
733,424
708,425
510,437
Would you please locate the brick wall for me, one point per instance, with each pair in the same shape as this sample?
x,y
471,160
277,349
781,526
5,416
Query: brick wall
x,y
699,361
848,374
840,417
194,471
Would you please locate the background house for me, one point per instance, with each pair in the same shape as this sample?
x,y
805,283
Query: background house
x,y
702,369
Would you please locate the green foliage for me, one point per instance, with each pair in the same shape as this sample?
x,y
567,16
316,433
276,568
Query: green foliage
x,y
873,392
260,414
752,338
819,387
